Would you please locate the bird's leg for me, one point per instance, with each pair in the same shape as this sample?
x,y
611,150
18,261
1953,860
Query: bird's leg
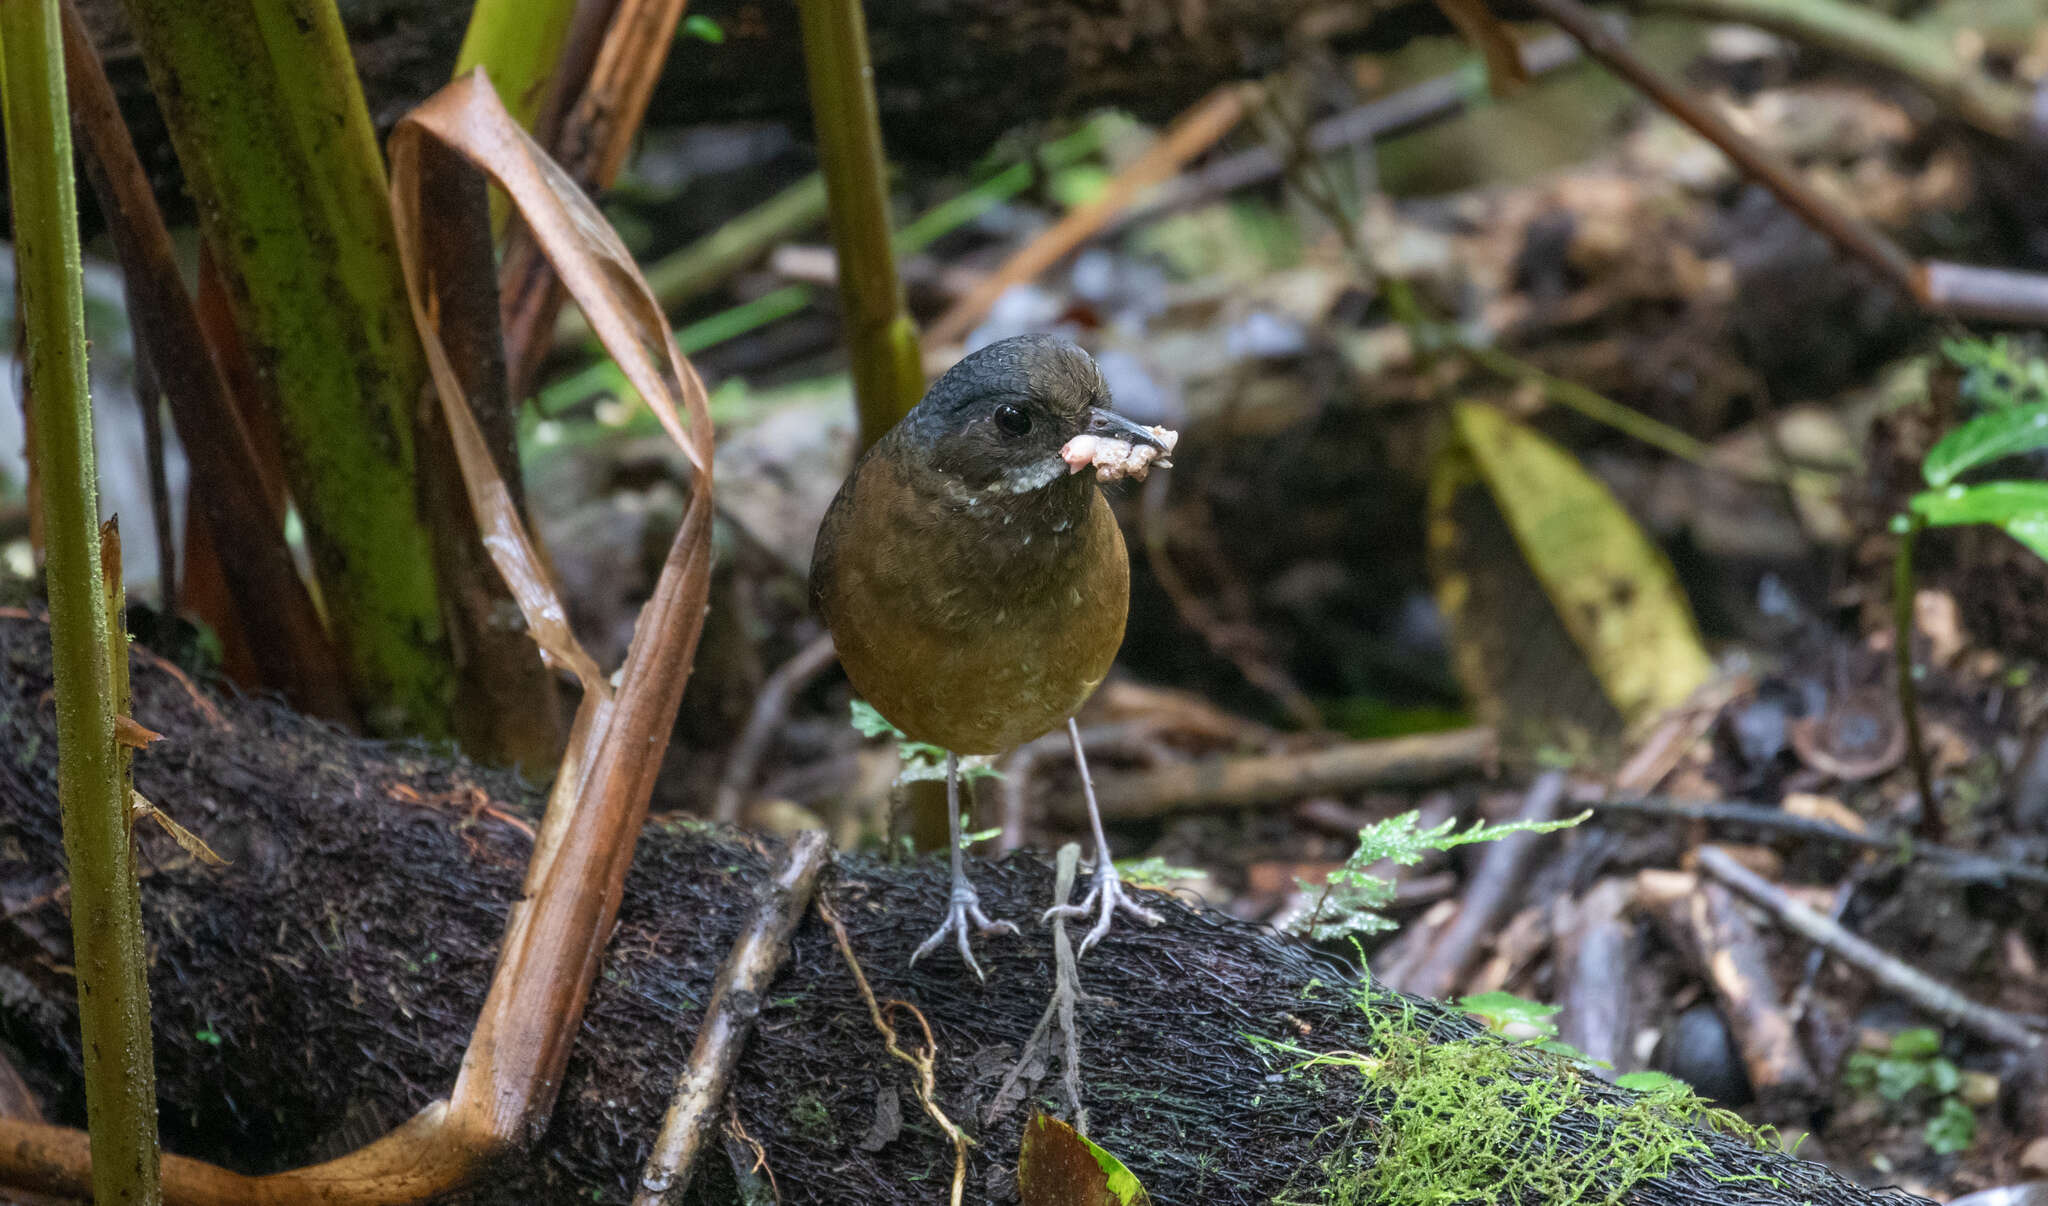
x,y
1106,898
965,906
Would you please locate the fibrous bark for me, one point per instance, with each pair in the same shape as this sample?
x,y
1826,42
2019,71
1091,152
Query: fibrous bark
x,y
320,988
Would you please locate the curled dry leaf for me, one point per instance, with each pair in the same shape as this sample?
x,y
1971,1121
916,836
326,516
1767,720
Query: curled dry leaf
x,y
140,807
599,800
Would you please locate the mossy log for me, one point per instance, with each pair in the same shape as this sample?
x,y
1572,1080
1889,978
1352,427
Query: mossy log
x,y
320,988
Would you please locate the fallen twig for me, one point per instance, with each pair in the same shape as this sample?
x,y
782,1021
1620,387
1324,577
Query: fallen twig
x,y
1916,987
1595,941
771,707
1253,780
1731,955
1960,866
922,1063
756,957
1398,112
1495,886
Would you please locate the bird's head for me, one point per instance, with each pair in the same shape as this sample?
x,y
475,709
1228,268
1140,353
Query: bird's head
x,y
1006,419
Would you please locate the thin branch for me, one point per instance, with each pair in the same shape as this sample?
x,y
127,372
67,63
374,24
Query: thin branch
x,y
1252,780
771,708
1960,866
1846,231
1864,33
736,997
1931,826
1195,131
1059,1011
1921,990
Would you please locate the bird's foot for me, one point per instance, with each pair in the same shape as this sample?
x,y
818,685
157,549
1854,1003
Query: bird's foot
x,y
964,909
1106,898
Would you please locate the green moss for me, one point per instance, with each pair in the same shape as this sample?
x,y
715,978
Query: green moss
x,y
1452,1121
813,1120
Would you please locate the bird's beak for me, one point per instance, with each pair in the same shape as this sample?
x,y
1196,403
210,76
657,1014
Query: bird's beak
x,y
1109,425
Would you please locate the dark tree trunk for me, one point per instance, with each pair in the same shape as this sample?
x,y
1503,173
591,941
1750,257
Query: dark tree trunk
x,y
951,75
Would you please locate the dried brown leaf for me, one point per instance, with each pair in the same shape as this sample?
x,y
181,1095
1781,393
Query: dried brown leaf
x,y
1495,42
140,807
133,735
574,883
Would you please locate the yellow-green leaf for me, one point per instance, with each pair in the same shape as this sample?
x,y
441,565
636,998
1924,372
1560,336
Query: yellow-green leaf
x,y
1611,589
1059,1166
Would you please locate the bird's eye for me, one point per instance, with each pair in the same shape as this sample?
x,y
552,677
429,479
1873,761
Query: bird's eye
x,y
1012,419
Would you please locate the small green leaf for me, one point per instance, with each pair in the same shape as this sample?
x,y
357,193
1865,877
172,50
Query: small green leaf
x,y
1898,1079
870,723
704,29
1988,437
1153,872
1059,1166
1351,898
1998,372
1953,1127
2021,508
1917,1043
1504,1011
1942,1076
210,1037
1654,1084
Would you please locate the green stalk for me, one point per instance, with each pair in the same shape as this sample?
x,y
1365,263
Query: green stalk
x,y
881,339
517,43
106,908
1932,825
689,272
263,105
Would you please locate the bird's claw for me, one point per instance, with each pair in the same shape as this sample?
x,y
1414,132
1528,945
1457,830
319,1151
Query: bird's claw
x,y
1106,898
965,908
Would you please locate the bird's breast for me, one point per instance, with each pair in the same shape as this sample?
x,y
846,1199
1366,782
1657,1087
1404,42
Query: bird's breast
x,y
972,633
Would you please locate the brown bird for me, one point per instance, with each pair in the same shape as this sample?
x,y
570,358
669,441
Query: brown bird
x,y
975,581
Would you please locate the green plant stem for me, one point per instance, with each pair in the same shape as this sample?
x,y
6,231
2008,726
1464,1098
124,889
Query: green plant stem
x,y
1932,826
954,212
692,271
106,908
881,340
265,110
517,43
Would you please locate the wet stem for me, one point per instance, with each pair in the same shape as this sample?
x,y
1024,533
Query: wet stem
x,y
1908,528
